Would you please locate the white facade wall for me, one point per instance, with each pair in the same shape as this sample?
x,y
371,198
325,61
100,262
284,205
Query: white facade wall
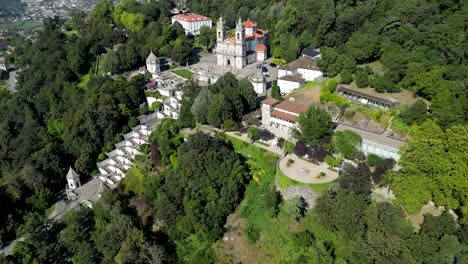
x,y
309,75
261,56
150,100
288,86
282,72
259,87
193,27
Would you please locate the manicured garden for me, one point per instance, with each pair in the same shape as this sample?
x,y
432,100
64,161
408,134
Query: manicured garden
x,y
186,74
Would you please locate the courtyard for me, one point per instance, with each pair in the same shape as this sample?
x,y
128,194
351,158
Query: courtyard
x,y
206,62
306,172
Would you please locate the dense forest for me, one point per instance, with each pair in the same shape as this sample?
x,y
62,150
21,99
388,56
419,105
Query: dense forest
x,y
388,45
174,208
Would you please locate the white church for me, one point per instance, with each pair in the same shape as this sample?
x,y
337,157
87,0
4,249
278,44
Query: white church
x,y
248,45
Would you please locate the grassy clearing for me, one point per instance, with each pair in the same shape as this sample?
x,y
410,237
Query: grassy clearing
x,y
21,25
184,73
84,80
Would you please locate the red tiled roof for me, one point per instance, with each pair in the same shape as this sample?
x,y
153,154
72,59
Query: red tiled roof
x,y
190,17
283,116
270,101
261,47
249,24
291,106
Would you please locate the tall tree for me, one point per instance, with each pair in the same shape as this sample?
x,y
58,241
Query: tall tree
x,y
220,109
357,179
314,124
199,108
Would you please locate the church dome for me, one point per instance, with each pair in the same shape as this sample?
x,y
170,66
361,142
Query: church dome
x,y
257,77
152,57
261,47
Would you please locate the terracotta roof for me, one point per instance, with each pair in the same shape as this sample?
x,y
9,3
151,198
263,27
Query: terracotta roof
x,y
190,17
293,78
249,24
305,62
283,116
291,106
257,34
261,47
270,101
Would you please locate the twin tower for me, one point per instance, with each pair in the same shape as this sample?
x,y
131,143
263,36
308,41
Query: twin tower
x,y
246,46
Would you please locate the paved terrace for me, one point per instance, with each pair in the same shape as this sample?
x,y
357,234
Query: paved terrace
x,y
304,171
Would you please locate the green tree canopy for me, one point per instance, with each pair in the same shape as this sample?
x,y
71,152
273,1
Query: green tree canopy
x,y
347,143
314,124
200,105
356,179
433,166
219,110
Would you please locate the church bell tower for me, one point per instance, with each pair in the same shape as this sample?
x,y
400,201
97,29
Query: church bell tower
x,y
220,30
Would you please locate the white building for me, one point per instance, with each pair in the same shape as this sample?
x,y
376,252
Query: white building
x,y
152,64
192,22
281,115
304,68
287,83
248,45
259,83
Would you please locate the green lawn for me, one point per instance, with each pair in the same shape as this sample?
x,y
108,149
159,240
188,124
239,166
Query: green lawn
x,y
184,73
21,25
84,81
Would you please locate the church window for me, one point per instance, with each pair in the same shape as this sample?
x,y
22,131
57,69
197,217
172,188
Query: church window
x,y
238,36
219,34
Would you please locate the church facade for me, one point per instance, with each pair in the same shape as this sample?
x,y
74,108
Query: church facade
x,y
248,45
